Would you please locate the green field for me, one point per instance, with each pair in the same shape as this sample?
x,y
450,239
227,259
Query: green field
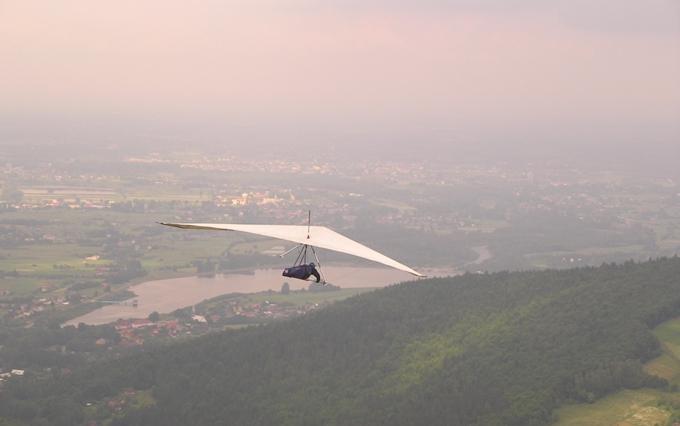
x,y
180,253
625,408
63,259
642,407
668,364
21,286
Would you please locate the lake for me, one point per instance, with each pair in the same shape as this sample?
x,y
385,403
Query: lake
x,y
167,295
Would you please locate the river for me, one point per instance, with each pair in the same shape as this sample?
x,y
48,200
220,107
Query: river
x,y
167,295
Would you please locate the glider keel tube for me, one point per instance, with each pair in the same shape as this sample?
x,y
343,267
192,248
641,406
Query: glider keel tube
x,y
317,236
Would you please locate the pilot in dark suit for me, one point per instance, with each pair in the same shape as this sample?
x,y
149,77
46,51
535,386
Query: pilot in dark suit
x,y
302,272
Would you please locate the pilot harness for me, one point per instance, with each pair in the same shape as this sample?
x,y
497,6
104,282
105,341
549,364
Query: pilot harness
x,y
303,249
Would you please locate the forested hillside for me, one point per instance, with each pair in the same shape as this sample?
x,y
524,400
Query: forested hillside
x,y
492,349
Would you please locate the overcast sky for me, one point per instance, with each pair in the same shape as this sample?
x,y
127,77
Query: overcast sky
x,y
424,73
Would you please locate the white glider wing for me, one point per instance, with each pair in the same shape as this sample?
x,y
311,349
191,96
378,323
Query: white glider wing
x,y
317,236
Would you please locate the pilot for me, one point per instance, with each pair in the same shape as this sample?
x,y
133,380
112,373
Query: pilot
x,y
302,272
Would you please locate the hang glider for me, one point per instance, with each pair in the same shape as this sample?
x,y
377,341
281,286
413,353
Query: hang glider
x,y
312,236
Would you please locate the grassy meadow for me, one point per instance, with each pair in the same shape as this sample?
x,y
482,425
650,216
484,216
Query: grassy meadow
x,y
641,407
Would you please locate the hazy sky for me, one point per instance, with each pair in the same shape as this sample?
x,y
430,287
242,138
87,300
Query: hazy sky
x,y
423,72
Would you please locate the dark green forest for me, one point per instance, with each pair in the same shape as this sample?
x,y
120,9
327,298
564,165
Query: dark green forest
x,y
478,349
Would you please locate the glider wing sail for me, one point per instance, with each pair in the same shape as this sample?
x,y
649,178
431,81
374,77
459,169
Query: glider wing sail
x,y
317,236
